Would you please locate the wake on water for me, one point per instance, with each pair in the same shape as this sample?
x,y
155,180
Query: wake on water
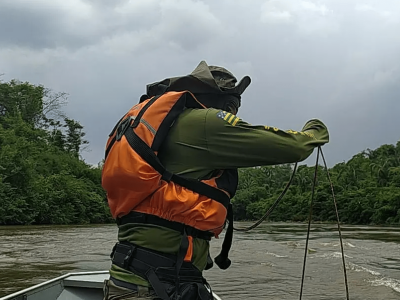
x,y
377,280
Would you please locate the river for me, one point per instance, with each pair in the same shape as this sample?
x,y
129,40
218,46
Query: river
x,y
266,262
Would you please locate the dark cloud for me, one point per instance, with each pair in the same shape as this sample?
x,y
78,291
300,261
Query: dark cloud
x,y
26,26
41,25
73,24
106,3
337,60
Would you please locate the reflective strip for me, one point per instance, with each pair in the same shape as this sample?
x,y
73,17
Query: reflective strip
x,y
145,123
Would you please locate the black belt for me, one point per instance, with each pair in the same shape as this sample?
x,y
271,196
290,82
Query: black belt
x,y
125,254
221,260
142,218
156,267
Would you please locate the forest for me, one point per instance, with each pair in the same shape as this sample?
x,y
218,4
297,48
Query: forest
x,y
367,190
45,180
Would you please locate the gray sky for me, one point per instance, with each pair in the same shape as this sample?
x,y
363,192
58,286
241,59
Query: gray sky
x,y
336,60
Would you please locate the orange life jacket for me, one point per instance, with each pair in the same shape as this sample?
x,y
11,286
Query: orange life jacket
x,y
135,179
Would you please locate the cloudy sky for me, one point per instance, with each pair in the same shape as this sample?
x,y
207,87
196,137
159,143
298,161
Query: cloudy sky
x,y
336,60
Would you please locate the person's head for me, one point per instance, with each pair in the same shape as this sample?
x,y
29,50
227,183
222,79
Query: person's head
x,y
212,86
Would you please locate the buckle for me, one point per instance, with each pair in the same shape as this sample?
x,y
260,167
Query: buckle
x,y
122,127
122,254
129,256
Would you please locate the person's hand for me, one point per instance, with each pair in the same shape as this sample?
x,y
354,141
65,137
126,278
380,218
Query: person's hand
x,y
318,130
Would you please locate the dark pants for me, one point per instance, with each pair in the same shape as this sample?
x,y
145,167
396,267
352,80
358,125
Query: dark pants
x,y
188,291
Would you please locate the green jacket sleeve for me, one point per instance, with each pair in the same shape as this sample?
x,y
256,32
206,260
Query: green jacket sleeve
x,y
233,143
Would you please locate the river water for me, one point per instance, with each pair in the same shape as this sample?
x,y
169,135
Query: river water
x,y
266,262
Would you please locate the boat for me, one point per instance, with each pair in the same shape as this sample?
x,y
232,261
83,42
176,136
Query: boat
x,y
71,286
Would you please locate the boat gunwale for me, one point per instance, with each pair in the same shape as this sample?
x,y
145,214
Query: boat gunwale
x,y
48,282
60,279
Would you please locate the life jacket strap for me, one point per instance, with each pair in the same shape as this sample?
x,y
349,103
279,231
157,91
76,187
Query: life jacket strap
x,y
151,158
156,267
222,260
141,262
142,218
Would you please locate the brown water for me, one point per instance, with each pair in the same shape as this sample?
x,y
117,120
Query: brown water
x,y
266,263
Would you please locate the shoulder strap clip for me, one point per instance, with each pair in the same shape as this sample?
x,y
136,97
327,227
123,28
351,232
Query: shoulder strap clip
x,y
122,127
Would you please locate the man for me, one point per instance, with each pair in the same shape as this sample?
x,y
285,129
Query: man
x,y
207,143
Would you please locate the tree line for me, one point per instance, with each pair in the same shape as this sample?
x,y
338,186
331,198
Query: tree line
x,y
367,190
44,180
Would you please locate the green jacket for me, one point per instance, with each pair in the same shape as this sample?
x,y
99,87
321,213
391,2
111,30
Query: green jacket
x,y
204,140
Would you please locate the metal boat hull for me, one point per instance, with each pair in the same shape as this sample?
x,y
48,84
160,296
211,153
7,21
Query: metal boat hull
x,y
71,286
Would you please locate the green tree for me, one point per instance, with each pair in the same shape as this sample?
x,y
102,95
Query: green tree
x,y
42,178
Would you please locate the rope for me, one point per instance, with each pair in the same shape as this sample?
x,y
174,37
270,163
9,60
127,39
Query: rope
x,y
338,224
269,211
309,223
276,202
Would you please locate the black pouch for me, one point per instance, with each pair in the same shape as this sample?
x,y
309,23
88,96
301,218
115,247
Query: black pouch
x,y
192,285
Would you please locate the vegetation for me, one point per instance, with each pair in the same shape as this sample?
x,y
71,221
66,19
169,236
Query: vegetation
x,y
43,179
367,190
